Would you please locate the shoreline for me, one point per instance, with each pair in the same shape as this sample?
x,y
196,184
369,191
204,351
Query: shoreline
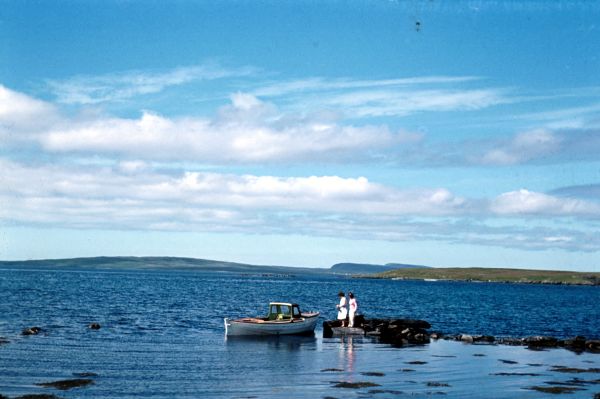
x,y
411,332
490,275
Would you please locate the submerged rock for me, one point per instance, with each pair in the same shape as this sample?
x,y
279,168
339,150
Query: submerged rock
x,y
94,326
31,331
555,389
355,385
67,384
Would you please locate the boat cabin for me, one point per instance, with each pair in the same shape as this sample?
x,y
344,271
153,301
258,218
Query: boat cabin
x,y
283,311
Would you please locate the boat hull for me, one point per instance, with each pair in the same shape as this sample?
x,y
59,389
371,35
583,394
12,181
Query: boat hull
x,y
304,325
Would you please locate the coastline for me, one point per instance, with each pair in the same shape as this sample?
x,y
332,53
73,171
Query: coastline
x,y
490,275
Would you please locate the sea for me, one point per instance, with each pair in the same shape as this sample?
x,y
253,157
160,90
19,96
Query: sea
x,y
161,335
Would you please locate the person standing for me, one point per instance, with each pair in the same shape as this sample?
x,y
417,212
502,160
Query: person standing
x,y
353,308
341,308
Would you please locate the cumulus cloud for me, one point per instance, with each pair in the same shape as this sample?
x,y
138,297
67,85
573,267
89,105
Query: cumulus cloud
x,y
246,130
132,196
21,115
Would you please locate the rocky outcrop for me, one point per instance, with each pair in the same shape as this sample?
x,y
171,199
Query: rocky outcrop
x,y
31,331
400,332
397,332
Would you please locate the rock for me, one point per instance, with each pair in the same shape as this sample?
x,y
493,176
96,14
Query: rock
x,y
328,327
483,339
67,384
466,338
436,335
541,341
411,323
577,343
355,385
31,331
592,345
94,326
511,341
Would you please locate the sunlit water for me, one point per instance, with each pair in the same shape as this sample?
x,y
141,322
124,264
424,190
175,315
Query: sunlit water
x,y
162,336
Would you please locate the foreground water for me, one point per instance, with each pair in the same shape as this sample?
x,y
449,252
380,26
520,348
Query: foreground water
x,y
162,337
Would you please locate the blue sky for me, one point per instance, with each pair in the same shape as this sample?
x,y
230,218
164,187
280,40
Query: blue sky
x,y
302,133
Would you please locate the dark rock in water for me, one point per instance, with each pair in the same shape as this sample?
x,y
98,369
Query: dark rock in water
x,y
437,384
31,331
373,374
332,369
67,384
508,361
400,332
593,345
355,385
541,341
577,343
555,390
94,326
488,339
511,341
436,335
565,369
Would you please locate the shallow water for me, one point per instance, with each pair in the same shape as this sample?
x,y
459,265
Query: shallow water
x,y
162,337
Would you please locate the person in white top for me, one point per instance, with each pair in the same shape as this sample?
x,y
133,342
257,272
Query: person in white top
x,y
353,308
341,308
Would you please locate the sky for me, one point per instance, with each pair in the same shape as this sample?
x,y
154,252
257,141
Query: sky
x,y
450,134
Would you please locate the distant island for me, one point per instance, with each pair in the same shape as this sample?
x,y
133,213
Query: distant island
x,y
363,270
367,268
481,274
157,263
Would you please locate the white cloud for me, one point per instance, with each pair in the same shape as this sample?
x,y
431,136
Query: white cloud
x,y
320,84
524,147
21,114
384,97
124,85
247,130
116,195
131,195
524,202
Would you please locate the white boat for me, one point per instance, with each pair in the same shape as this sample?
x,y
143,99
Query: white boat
x,y
283,319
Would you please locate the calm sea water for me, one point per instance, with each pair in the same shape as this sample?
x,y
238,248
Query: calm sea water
x,y
162,336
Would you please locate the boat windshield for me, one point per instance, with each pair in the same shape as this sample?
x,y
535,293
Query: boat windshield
x,y
280,312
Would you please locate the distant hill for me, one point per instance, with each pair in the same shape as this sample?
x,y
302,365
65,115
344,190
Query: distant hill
x,y
495,275
367,268
155,263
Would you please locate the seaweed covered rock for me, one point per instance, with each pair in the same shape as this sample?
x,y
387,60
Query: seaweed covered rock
x,y
399,332
541,341
31,331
